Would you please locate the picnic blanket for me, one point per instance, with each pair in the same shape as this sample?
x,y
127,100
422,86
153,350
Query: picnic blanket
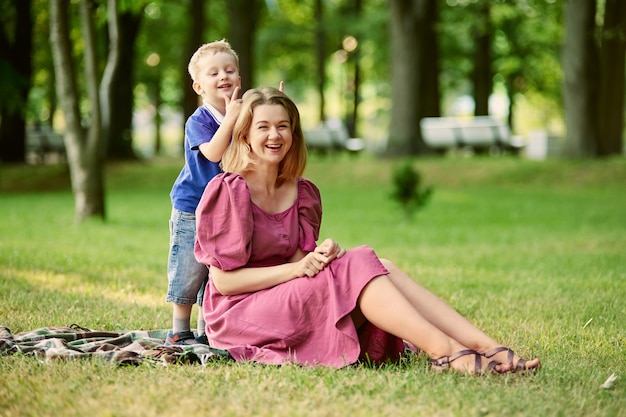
x,y
118,347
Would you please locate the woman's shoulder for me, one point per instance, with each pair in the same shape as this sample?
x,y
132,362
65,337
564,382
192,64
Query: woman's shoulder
x,y
228,179
227,183
306,184
307,188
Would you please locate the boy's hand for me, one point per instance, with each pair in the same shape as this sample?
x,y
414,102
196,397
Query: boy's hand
x,y
233,98
281,87
233,104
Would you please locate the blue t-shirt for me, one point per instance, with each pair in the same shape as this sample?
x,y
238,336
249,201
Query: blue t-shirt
x,y
198,170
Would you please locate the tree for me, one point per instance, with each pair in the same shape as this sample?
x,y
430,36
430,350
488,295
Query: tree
x,y
118,81
320,56
414,73
15,78
349,19
192,42
610,109
85,146
244,16
579,69
526,47
482,74
593,65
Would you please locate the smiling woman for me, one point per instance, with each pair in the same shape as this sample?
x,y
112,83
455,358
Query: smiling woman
x,y
239,156
277,296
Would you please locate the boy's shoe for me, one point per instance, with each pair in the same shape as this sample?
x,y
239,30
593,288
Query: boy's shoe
x,y
202,339
180,338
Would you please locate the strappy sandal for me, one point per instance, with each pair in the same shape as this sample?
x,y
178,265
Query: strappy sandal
x,y
443,363
519,367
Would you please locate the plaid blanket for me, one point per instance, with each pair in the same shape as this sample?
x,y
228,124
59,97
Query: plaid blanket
x,y
118,347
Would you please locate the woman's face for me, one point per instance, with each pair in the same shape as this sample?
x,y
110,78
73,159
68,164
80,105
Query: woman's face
x,y
270,135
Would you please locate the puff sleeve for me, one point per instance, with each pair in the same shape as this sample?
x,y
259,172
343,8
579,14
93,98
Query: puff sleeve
x,y
309,214
224,223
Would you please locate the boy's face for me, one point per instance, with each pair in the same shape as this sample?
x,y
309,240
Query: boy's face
x,y
217,78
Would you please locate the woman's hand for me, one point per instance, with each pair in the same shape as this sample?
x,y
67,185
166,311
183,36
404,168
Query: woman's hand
x,y
310,265
330,249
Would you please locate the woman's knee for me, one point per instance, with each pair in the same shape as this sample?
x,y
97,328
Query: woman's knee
x,y
387,264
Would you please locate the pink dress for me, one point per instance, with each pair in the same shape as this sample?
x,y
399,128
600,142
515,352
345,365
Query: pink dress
x,y
305,320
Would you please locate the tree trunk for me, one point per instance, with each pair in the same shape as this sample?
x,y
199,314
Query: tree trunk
x,y
243,15
194,39
482,73
118,81
15,53
111,72
353,111
610,110
320,57
579,61
429,80
84,147
412,37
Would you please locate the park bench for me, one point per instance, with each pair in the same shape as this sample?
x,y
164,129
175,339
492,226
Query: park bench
x,y
332,135
480,133
43,144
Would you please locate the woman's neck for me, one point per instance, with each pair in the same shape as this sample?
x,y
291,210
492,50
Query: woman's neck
x,y
268,193
262,179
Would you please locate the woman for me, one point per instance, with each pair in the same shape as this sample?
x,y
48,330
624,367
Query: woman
x,y
275,296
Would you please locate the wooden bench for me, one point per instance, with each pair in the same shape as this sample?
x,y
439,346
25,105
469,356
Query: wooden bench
x,y
43,144
480,133
332,135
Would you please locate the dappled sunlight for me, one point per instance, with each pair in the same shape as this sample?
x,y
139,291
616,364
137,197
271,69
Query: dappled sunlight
x,y
75,284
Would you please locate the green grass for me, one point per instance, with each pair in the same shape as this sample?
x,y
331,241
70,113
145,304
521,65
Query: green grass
x,y
532,252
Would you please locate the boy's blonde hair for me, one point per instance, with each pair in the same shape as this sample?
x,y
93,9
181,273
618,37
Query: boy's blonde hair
x,y
237,156
211,48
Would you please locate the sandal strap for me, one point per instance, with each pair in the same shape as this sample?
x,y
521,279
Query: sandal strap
x,y
445,361
499,349
521,365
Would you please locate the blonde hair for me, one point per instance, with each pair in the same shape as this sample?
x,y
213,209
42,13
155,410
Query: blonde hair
x,y
237,156
211,48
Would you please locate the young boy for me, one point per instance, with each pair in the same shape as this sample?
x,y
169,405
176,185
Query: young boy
x,y
214,70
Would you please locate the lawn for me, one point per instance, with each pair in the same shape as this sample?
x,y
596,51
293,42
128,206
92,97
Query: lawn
x,y
532,252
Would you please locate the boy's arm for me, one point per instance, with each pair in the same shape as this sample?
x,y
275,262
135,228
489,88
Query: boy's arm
x,y
214,149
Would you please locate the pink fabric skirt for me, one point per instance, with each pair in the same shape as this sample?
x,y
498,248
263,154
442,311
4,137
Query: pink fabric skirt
x,y
304,321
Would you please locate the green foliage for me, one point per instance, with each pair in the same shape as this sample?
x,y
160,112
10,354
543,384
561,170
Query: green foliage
x,y
408,190
527,38
529,251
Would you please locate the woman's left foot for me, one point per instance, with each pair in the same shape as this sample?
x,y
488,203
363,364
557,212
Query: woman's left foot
x,y
519,365
446,363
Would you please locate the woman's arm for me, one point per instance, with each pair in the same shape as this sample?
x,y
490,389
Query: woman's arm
x,y
245,280
301,264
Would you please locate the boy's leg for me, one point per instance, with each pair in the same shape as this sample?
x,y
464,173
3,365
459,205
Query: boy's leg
x,y
201,327
181,318
201,322
185,276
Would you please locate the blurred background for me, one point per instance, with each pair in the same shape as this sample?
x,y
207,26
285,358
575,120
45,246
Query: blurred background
x,y
107,79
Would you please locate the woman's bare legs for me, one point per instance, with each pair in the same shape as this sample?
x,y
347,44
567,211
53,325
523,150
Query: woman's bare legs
x,y
384,305
445,318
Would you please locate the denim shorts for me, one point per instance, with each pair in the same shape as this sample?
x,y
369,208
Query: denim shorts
x,y
186,277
